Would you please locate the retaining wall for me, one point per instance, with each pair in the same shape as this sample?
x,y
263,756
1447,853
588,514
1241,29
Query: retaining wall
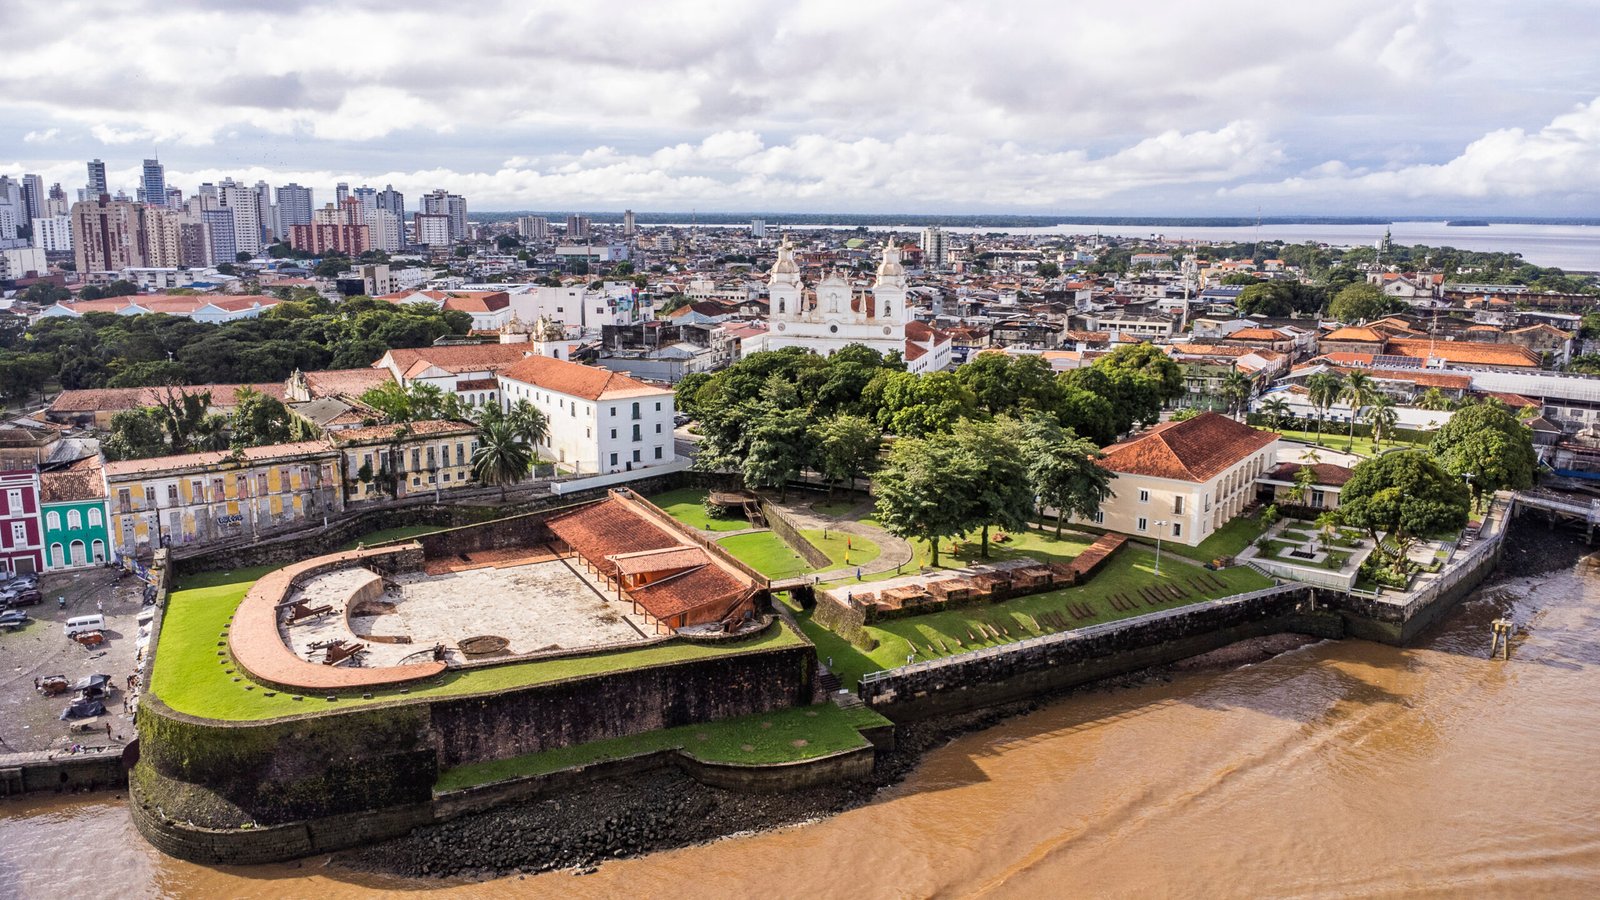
x,y
45,770
786,530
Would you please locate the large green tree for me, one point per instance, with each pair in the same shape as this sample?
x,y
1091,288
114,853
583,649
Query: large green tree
x,y
844,447
917,405
258,419
1406,495
1062,470
1000,494
1485,441
502,457
923,490
1362,302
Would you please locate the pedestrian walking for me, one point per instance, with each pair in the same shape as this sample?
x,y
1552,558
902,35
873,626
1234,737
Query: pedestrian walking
x,y
108,731
99,606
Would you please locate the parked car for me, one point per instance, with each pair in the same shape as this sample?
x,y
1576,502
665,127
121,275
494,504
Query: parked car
x,y
22,598
13,618
680,420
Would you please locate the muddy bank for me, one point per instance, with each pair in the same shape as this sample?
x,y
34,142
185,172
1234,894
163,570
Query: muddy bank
x,y
1533,547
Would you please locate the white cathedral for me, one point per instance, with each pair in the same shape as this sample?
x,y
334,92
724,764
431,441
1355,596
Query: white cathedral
x,y
835,315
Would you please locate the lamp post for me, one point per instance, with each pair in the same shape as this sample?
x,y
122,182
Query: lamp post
x,y
1159,525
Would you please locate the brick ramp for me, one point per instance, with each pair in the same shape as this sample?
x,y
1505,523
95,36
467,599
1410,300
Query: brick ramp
x,y
259,650
1094,556
485,559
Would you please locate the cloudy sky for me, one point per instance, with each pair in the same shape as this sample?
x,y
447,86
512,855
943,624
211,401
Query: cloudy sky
x,y
1156,107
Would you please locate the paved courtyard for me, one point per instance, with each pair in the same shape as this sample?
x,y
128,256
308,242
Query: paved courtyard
x,y
537,607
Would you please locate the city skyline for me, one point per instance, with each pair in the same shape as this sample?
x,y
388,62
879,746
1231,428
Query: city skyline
x,y
1370,108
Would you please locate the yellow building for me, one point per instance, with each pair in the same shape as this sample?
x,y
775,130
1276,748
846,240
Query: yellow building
x,y
403,460
219,496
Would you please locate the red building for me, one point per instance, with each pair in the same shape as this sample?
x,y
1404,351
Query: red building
x,y
21,542
351,240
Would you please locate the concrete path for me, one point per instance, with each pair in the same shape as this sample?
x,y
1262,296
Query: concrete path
x,y
893,552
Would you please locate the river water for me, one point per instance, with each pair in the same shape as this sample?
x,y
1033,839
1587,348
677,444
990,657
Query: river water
x,y
1342,768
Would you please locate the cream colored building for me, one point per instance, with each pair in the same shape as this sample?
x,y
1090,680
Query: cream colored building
x,y
1184,480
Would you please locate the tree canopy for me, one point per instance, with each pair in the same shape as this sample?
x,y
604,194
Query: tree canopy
x,y
1361,302
1486,441
1405,494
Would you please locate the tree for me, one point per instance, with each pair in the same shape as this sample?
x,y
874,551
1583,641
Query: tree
x,y
778,450
923,488
1405,495
531,425
418,403
501,458
997,476
243,256
149,373
258,419
1265,298
1001,383
1323,389
1435,400
844,447
24,374
1048,270
1276,410
1305,478
1486,441
916,405
1240,278
1235,389
1062,470
135,434
1362,302
1383,418
1358,391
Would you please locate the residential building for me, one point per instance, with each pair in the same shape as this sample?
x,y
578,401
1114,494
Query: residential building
x,y
367,197
34,199
935,249
385,230
154,183
533,228
381,462
53,234
241,200
107,235
628,224
163,233
73,511
393,201
320,239
220,496
22,262
97,180
453,207
200,307
578,227
489,309
1327,480
294,206
21,538
446,367
758,229
431,230
221,247
1181,481
599,421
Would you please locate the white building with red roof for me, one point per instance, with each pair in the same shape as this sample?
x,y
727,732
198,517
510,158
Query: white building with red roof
x,y
600,421
1182,481
199,307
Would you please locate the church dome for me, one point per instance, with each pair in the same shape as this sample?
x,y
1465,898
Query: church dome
x,y
785,264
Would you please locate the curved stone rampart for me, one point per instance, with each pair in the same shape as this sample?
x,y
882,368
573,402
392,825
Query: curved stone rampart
x,y
259,650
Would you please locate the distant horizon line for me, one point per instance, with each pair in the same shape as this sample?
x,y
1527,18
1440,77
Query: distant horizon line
x,y
725,217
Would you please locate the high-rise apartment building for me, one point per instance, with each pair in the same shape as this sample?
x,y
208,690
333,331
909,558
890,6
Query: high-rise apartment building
x,y
267,212
55,203
174,196
452,206
368,197
207,195
533,228
13,209
393,201
758,228
33,196
162,236
385,230
107,235
53,234
243,202
154,183
221,245
935,250
578,227
628,223
97,179
294,206
431,229
341,192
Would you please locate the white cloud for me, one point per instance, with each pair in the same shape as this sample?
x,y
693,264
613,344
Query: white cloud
x,y
41,137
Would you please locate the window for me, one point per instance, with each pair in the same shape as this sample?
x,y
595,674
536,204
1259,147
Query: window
x,y
658,453
1177,505
1208,503
19,533
416,458
658,406
95,520
74,519
1177,529
658,428
14,501
172,495
613,412
636,435
432,457
461,454
1318,499
613,459
635,456
636,410
1144,496
150,496
613,434
52,520
124,499
197,491
1143,525
1099,517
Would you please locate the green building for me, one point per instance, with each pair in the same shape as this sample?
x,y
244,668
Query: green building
x,y
72,511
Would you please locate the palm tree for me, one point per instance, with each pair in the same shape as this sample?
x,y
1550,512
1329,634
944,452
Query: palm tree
x,y
1276,409
1434,400
501,458
530,424
1323,390
1235,390
1358,391
1383,417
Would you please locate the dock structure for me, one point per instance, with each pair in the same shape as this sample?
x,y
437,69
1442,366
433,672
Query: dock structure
x,y
1560,506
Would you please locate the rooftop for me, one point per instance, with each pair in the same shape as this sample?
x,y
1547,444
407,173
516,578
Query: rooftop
x,y
1196,449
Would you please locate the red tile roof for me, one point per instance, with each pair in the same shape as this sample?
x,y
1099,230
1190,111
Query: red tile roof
x,y
609,527
79,481
1466,352
457,357
349,382
385,433
1363,335
1323,473
576,380
1196,449
111,399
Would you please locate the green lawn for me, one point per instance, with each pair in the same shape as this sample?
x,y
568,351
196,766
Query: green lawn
x,y
190,676
1334,439
787,735
392,534
687,506
765,552
1037,544
1131,568
843,549
832,507
1228,540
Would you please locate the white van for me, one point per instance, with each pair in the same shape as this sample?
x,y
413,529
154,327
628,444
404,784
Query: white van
x,y
80,624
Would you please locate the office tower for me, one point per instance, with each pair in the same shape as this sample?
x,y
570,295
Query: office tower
x,y
53,234
451,206
393,201
934,248
577,227
340,192
55,204
241,200
174,197
758,228
33,196
368,197
107,235
97,179
627,223
219,233
154,183
533,228
294,206
207,195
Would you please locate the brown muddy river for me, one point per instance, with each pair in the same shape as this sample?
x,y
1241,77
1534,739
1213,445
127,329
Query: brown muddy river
x,y
1344,768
